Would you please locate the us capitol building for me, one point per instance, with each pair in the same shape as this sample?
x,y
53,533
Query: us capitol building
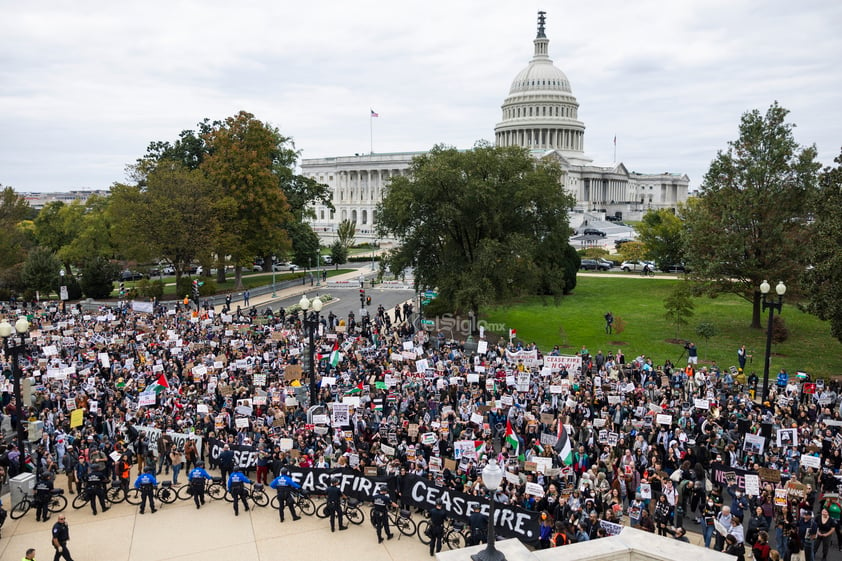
x,y
540,114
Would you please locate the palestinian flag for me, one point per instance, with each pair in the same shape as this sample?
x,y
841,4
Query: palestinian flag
x,y
511,438
335,357
480,447
357,389
161,384
563,447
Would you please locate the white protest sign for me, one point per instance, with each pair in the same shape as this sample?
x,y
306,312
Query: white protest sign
x,y
146,399
752,484
286,444
477,419
534,489
701,403
241,422
664,419
811,461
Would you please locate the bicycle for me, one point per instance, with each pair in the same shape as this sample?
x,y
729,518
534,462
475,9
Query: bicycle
x,y
58,502
84,497
213,488
400,519
255,492
350,508
647,272
165,493
302,502
455,535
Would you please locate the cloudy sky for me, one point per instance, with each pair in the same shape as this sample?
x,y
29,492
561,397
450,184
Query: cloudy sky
x,y
86,85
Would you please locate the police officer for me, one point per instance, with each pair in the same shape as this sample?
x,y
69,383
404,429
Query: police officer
x,y
61,535
478,523
380,516
334,505
226,461
237,482
196,479
96,490
437,519
43,490
284,485
146,482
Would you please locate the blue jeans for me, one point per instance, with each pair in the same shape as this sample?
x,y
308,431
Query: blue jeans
x,y
175,469
707,532
809,547
781,542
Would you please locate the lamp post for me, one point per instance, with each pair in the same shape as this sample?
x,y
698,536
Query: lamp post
x,y
274,292
62,289
492,476
311,324
771,305
14,347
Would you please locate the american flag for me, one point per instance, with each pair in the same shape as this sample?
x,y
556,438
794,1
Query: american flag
x,y
373,114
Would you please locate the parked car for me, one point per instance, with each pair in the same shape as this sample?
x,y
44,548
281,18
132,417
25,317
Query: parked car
x,y
636,265
593,265
130,276
606,263
255,268
674,268
621,241
291,267
593,232
327,260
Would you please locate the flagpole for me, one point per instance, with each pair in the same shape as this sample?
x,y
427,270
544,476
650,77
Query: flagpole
x,y
371,132
615,148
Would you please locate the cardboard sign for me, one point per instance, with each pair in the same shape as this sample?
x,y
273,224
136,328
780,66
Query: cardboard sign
x,y
770,475
292,372
547,418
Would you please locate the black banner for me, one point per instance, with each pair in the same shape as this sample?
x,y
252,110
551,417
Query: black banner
x,y
245,457
718,471
511,522
352,483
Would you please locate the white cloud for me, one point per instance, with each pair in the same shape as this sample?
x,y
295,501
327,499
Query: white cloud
x,y
87,85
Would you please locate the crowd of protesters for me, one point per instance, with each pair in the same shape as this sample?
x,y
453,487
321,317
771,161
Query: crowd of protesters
x,y
661,447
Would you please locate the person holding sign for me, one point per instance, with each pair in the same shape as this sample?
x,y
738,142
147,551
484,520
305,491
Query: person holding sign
x,y
284,485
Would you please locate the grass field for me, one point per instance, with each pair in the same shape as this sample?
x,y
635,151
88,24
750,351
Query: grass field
x,y
638,302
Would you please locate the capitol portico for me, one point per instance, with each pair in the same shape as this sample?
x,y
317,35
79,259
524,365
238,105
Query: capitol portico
x,y
540,114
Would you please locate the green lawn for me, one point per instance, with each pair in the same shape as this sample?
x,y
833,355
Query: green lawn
x,y
578,320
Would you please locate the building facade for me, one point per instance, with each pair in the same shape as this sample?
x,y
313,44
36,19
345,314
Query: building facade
x,y
539,114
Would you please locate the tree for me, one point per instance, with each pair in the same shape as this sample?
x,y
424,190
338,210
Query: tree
x,y
660,231
171,215
706,330
41,271
750,221
305,244
679,307
246,162
822,283
338,253
634,251
345,232
98,274
480,225
13,243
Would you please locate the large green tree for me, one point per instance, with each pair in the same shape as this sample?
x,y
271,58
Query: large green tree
x,y
750,220
823,275
41,271
14,243
481,224
661,233
246,162
171,215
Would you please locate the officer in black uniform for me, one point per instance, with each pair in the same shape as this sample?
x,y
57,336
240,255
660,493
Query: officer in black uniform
x,y
43,490
334,505
61,535
478,523
380,516
96,490
437,519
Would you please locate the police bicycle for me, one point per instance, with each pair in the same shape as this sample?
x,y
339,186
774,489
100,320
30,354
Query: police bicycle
x,y
455,534
214,488
255,492
350,508
58,502
85,496
398,518
301,501
164,492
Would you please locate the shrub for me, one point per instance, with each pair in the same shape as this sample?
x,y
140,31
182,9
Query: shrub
x,y
98,276
208,288
593,253
150,289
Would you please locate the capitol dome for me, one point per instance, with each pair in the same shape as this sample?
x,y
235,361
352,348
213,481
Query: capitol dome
x,y
540,112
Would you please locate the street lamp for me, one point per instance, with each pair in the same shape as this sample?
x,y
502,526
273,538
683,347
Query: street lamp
x,y
311,324
492,476
274,292
771,305
14,347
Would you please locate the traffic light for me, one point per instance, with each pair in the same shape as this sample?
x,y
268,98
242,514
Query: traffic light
x,y
196,290
362,297
122,288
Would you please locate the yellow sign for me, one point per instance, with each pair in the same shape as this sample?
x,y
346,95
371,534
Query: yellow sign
x,y
77,417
